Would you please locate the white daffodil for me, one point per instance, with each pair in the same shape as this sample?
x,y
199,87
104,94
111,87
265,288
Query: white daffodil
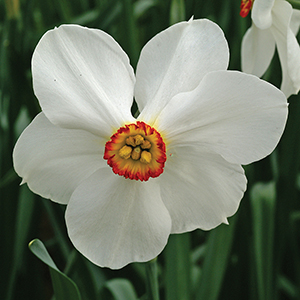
x,y
129,183
274,23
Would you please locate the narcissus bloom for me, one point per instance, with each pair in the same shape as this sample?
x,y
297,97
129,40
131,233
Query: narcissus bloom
x,y
274,24
129,183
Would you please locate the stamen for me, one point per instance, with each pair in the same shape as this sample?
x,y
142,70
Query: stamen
x,y
138,139
136,151
130,141
125,152
146,157
134,140
146,144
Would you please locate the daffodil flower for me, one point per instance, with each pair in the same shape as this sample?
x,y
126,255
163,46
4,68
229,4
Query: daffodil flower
x,y
129,183
274,24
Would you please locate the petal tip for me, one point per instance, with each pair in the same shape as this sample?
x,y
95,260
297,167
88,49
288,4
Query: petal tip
x,y
23,181
191,19
225,221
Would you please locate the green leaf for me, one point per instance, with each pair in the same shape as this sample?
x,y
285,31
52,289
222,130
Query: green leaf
x,y
128,26
152,284
217,255
286,286
8,178
263,213
121,289
88,277
141,7
177,11
178,267
25,210
64,288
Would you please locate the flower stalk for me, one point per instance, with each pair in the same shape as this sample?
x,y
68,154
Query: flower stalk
x,y
152,287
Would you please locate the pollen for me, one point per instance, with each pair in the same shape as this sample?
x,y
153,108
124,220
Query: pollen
x,y
246,6
136,151
146,157
125,152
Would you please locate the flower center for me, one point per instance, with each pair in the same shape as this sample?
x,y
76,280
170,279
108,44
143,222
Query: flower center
x,y
136,151
246,6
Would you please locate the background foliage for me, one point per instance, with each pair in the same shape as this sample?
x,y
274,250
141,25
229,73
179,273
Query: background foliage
x,y
256,257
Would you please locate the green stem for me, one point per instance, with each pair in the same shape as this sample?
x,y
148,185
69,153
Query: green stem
x,y
177,267
152,280
177,11
287,192
129,32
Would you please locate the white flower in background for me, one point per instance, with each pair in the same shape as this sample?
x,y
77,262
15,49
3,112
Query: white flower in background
x,y
274,23
129,183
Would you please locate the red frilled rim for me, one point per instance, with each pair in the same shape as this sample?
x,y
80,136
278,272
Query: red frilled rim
x,y
246,6
135,169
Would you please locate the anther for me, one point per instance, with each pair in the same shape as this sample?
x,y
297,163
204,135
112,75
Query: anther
x,y
138,139
134,140
146,144
130,141
125,152
136,153
146,157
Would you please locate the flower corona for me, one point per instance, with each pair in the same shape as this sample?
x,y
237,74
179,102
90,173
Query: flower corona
x,y
136,151
246,6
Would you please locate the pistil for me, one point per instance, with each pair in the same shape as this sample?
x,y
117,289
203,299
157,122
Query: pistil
x,y
136,153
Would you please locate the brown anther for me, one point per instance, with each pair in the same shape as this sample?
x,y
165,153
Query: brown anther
x,y
134,140
125,152
138,139
146,157
146,144
136,153
130,141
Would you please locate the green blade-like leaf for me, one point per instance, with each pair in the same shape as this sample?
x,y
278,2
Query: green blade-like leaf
x,y
215,262
64,288
178,267
263,212
177,11
121,289
23,221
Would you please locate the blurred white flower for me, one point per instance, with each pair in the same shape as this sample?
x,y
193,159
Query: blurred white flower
x,y
274,23
129,183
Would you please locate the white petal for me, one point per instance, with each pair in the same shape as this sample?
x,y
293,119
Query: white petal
x,y
293,54
53,161
83,79
200,189
295,21
114,221
262,13
288,48
237,115
175,61
258,47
